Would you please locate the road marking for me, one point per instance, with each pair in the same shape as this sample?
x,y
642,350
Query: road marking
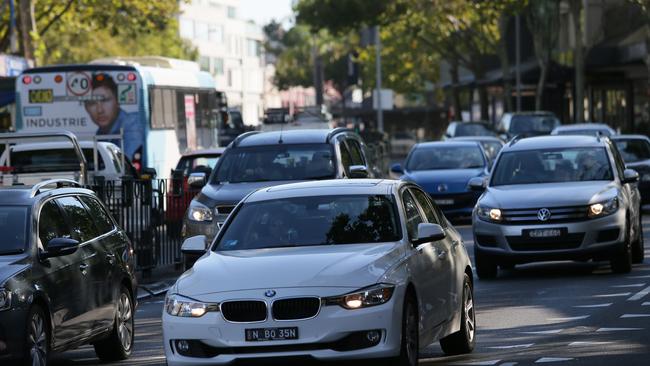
x,y
584,344
646,304
552,331
513,346
639,295
632,285
638,277
479,363
624,316
553,359
594,305
614,295
616,329
568,319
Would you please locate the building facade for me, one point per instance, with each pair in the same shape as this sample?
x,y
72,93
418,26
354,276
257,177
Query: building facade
x,y
230,48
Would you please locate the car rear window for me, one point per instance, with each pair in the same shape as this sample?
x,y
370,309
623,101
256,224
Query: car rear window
x,y
52,160
191,164
311,221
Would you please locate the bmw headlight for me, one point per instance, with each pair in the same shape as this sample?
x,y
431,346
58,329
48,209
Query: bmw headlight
x,y
5,299
489,214
370,296
603,208
176,305
200,213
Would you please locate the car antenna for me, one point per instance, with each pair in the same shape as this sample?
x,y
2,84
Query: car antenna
x,y
281,130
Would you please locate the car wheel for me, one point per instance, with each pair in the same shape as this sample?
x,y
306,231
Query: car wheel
x,y
622,260
464,340
119,344
410,343
37,342
638,249
485,267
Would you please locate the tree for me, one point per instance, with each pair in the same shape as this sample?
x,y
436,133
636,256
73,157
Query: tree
x,y
543,18
644,6
69,31
575,7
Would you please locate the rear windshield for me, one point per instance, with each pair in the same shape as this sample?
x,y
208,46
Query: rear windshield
x,y
52,160
586,132
633,150
276,163
193,164
472,129
310,221
522,124
445,157
13,226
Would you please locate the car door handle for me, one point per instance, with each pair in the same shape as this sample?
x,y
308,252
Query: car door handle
x,y
442,255
83,267
111,258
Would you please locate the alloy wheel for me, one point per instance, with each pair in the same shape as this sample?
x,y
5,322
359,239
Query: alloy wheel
x,y
125,321
470,316
37,340
411,334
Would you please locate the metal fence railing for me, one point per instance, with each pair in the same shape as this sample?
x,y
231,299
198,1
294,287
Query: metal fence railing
x,y
151,212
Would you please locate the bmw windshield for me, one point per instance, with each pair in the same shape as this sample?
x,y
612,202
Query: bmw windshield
x,y
552,166
445,157
13,226
276,163
309,221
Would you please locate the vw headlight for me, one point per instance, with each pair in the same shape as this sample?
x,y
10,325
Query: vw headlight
x,y
489,214
200,213
176,305
371,296
603,208
5,299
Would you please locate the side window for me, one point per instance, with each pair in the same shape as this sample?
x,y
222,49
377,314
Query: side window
x,y
51,224
355,152
413,217
346,159
620,164
81,224
422,199
103,222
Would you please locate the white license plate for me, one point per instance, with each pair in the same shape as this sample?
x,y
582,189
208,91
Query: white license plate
x,y
444,202
545,233
271,334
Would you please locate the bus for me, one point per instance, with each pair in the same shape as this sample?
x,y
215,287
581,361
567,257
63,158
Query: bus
x,y
159,107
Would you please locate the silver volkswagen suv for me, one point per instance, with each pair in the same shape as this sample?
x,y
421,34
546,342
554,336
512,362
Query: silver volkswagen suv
x,y
558,198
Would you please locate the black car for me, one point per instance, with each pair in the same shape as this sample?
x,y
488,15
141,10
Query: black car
x,y
66,275
256,160
635,150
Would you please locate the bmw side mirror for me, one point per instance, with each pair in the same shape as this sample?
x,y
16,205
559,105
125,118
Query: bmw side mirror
x,y
428,232
59,247
359,171
477,184
196,180
194,245
630,176
397,168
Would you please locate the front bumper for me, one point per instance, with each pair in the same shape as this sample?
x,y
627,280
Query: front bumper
x,y
12,334
590,239
226,341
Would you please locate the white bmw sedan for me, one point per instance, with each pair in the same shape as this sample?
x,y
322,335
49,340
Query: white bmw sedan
x,y
340,269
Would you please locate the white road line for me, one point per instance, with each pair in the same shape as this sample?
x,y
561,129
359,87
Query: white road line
x,y
586,344
624,316
513,346
552,331
553,359
568,319
638,277
616,329
614,295
594,305
632,285
479,363
646,304
639,295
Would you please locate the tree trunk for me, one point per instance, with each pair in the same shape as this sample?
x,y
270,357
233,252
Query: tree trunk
x,y
26,14
505,63
579,61
455,92
539,96
484,102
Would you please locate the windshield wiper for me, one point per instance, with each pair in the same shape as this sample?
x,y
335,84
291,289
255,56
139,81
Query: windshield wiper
x,y
329,176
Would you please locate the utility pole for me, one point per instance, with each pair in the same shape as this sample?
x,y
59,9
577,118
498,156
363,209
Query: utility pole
x,y
518,59
380,112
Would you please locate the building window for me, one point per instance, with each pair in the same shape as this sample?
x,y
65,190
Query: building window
x,y
217,66
187,28
232,12
201,31
204,63
215,33
252,48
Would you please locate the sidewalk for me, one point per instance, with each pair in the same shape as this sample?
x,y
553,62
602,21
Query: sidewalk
x,y
157,282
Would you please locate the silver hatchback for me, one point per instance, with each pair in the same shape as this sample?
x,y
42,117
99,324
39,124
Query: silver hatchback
x,y
558,198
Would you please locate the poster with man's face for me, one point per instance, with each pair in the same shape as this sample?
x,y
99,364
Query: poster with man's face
x,y
86,103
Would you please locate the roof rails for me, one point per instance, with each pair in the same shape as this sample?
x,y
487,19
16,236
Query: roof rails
x,y
515,139
58,183
335,132
241,137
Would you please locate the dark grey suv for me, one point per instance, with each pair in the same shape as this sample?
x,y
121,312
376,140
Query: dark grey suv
x,y
256,160
66,275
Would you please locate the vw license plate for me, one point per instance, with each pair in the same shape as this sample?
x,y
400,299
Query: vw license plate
x,y
444,202
545,233
271,334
